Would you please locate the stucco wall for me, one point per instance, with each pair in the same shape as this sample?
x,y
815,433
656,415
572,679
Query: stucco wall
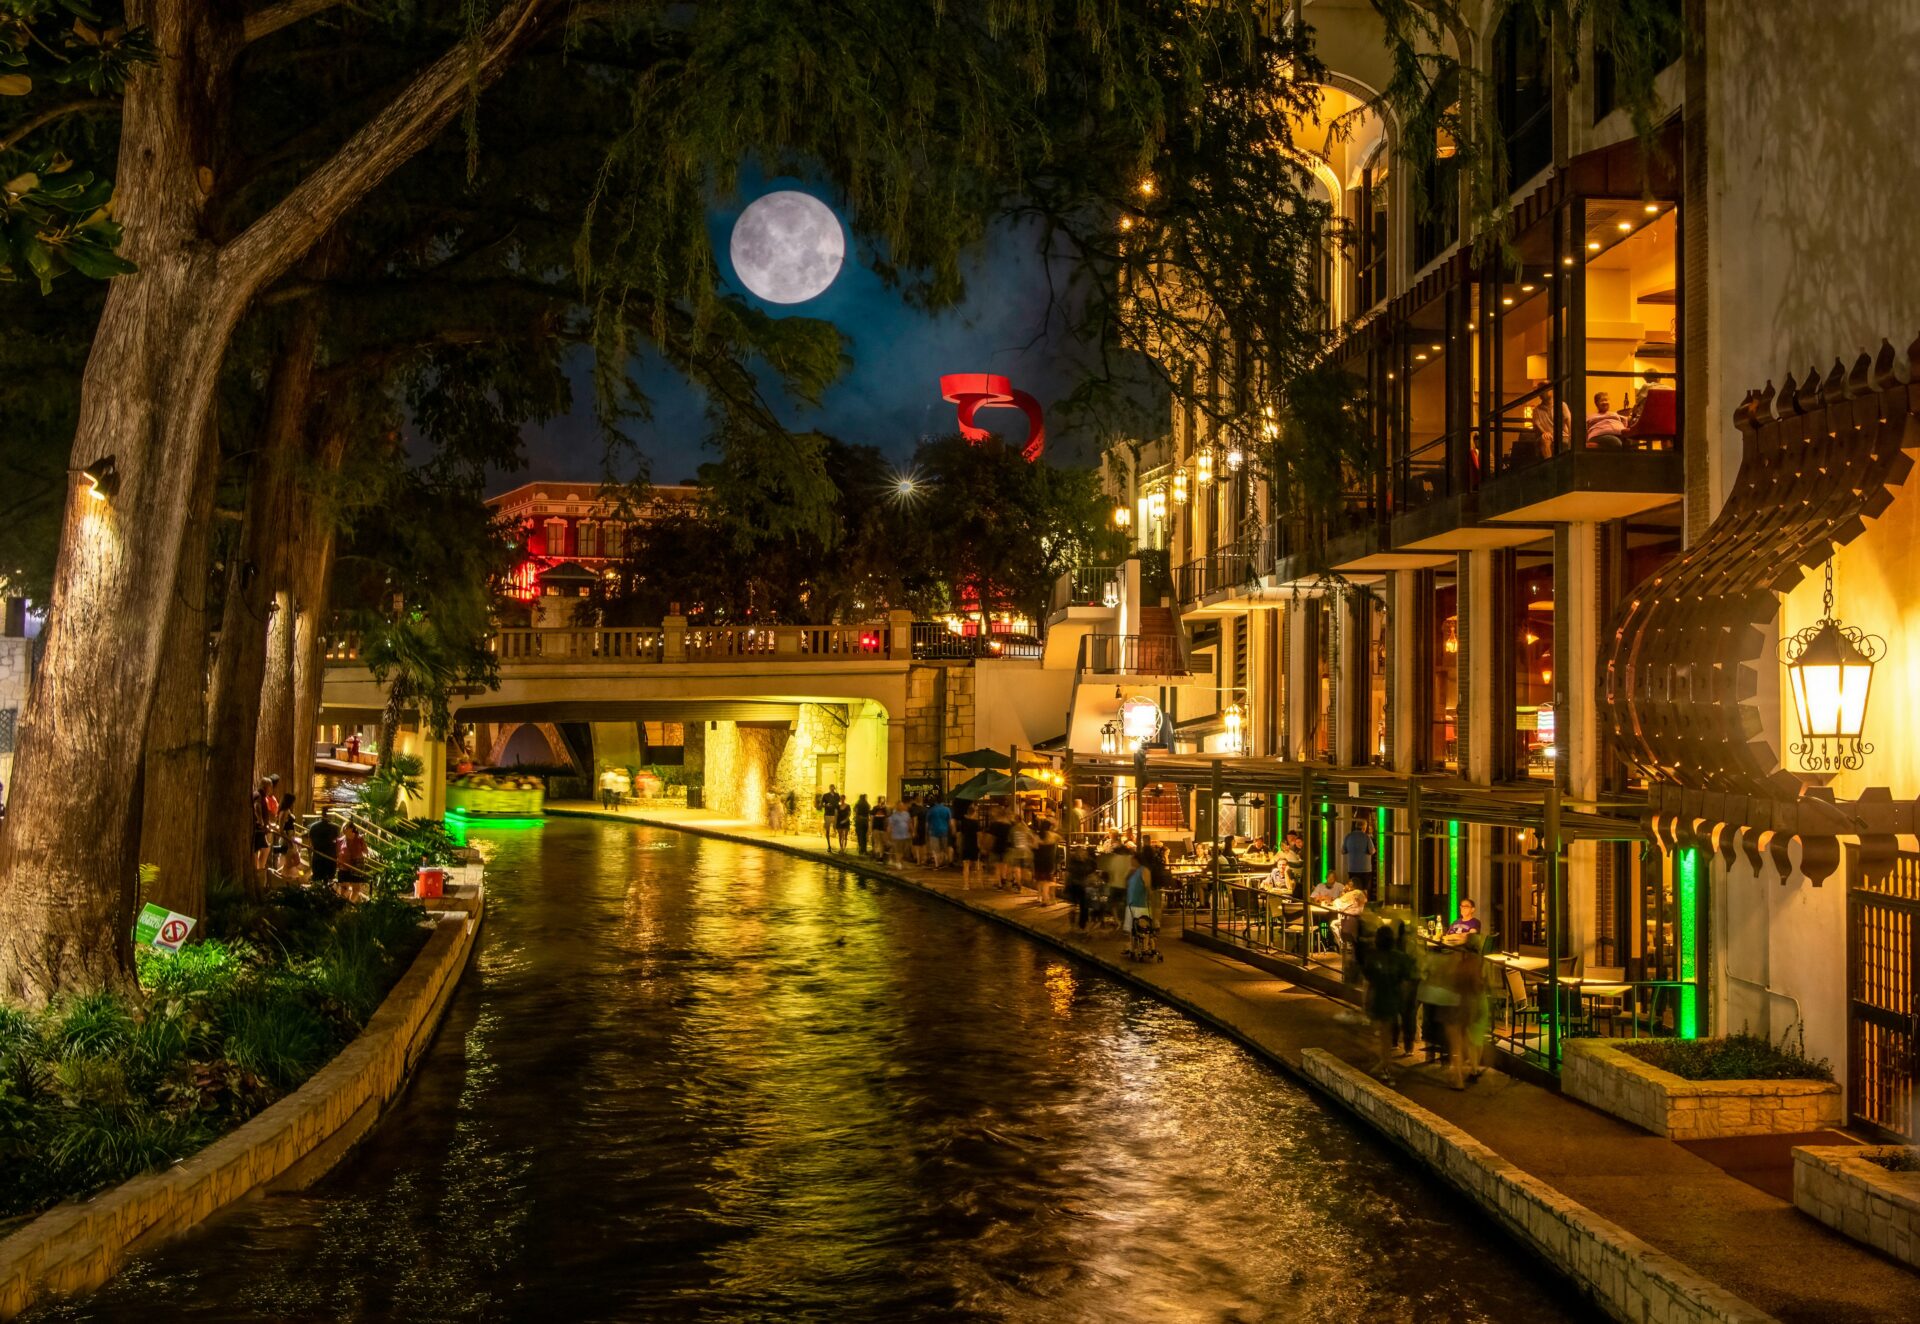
x,y
1811,140
16,659
1018,703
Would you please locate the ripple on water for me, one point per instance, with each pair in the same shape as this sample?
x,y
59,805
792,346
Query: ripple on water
x,y
689,1079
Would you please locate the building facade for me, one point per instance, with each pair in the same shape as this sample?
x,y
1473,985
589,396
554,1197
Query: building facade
x,y
1564,439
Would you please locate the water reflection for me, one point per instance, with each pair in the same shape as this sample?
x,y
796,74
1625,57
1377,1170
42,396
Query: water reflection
x,y
688,1079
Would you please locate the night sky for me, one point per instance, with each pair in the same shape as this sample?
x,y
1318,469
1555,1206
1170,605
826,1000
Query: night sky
x,y
890,395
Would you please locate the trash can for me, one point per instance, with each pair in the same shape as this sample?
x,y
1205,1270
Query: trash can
x,y
430,882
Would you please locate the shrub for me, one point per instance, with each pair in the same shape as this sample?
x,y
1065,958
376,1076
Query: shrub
x,y
97,1089
1740,1056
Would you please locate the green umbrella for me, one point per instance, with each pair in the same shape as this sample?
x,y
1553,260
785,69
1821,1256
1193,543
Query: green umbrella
x,y
984,784
981,758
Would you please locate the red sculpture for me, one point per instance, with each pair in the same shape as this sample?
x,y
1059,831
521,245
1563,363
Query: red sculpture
x,y
974,391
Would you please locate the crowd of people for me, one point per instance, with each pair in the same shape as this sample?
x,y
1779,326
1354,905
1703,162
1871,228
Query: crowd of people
x,y
289,850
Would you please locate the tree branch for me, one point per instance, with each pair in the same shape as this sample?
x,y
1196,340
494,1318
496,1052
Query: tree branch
x,y
266,22
85,106
278,239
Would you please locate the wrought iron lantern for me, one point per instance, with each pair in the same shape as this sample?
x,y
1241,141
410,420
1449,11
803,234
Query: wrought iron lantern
x,y
1203,467
1180,486
1235,720
1157,504
1830,668
1110,738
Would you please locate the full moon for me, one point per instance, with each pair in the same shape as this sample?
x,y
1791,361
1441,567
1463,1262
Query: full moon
x,y
787,247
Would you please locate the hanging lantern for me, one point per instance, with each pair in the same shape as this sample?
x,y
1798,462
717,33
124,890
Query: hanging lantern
x,y
1235,458
1122,517
1452,642
1830,667
1180,486
1110,738
1157,504
1203,467
1236,729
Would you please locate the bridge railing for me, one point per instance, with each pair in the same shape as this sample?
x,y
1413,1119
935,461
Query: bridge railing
x,y
674,644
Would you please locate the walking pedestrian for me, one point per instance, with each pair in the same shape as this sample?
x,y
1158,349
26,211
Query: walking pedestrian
x,y
1388,971
917,812
880,816
899,834
609,789
842,822
790,819
862,825
1019,852
966,838
262,822
828,803
939,831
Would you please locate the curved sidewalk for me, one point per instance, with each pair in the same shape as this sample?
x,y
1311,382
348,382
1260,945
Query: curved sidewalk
x,y
1502,1140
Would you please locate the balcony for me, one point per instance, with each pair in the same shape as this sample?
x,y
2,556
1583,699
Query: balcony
x,y
1133,655
1613,476
1211,584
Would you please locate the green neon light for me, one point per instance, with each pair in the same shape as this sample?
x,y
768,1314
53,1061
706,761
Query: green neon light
x,y
1453,870
1380,870
1326,841
1686,898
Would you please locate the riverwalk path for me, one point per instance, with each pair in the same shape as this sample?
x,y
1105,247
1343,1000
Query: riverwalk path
x,y
1769,1259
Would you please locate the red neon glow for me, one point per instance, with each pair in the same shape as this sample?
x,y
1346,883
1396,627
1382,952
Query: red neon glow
x,y
521,582
974,391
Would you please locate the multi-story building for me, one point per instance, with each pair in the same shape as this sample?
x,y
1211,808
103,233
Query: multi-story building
x,y
571,533
1555,588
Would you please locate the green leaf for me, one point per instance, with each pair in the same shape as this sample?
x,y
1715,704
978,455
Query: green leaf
x,y
95,260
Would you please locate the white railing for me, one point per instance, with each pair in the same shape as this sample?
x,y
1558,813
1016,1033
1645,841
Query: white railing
x,y
582,645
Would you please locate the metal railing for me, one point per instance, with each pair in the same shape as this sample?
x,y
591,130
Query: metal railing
x,y
1088,586
1133,654
1235,566
933,641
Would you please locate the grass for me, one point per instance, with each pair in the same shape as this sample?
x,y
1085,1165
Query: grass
x,y
100,1088
1740,1056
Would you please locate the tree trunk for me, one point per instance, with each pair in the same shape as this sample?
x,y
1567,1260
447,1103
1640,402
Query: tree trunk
x,y
273,750
66,850
172,821
316,537
241,663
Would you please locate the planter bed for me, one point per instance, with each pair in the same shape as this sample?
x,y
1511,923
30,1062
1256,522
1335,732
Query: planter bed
x,y
79,1244
1852,1190
1604,1075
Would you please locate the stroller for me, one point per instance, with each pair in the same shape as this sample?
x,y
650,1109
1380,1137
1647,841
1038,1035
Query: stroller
x,y
1144,946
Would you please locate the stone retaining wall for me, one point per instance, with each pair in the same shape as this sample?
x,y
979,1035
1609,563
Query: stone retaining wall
x,y
1844,1188
1600,1073
79,1245
1619,1272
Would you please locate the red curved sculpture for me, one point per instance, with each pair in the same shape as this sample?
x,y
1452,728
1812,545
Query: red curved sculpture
x,y
974,391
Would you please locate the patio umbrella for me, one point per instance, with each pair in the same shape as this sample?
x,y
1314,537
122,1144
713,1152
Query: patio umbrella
x,y
981,758
984,784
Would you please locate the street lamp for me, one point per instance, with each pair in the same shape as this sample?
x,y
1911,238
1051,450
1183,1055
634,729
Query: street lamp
x,y
1830,666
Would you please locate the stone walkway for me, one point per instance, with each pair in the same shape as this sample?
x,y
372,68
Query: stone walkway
x,y
1759,1247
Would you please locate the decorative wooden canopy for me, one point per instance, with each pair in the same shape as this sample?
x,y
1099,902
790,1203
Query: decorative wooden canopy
x,y
1682,676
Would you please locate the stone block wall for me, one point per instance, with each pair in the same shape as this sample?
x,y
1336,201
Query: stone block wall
x,y
1601,1074
1844,1188
938,724
1623,1275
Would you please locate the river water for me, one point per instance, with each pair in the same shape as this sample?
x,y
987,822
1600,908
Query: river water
x,y
691,1080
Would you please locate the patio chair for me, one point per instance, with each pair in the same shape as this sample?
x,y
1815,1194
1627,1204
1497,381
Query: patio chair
x,y
1521,1008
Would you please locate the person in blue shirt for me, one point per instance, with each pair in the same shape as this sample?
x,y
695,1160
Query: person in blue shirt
x,y
1140,913
939,832
1358,848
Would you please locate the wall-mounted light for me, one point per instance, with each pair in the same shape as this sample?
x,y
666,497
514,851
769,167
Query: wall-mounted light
x,y
1180,486
1110,738
1235,457
1122,517
101,479
1157,503
1830,666
1236,729
1203,467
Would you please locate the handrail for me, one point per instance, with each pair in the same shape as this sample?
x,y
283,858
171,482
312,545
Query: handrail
x,y
1132,654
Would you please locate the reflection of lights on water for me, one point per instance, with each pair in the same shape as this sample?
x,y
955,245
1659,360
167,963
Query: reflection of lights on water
x,y
1061,987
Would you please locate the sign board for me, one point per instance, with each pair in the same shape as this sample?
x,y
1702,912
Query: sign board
x,y
161,929
920,786
1140,720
